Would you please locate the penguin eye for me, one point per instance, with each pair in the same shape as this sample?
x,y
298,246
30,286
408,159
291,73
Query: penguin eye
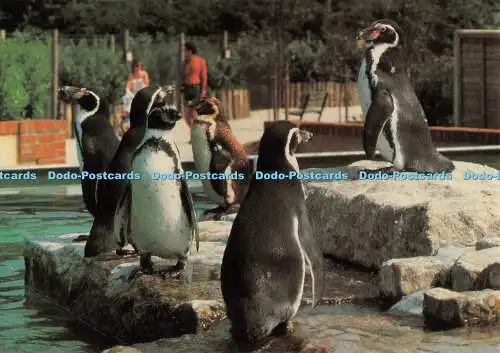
x,y
383,29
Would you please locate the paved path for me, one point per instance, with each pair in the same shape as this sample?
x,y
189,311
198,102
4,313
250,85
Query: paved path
x,y
246,130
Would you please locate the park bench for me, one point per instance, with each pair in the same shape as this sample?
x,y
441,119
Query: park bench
x,y
312,102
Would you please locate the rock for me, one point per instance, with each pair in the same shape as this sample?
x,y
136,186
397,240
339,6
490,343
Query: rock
x,y
487,243
451,252
102,292
368,222
401,277
444,308
411,304
215,230
469,273
122,349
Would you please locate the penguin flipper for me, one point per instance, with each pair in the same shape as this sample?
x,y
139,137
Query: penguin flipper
x,y
122,217
378,113
188,206
313,254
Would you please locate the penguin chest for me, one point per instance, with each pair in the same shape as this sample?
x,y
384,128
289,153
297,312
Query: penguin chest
x,y
159,222
388,143
202,157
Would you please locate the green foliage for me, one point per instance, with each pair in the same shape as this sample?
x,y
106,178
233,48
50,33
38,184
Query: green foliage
x,y
24,75
96,67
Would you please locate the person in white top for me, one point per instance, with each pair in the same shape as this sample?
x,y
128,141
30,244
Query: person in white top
x,y
136,81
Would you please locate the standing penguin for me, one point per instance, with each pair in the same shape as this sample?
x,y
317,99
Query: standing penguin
x,y
162,215
101,238
395,122
96,141
216,150
270,245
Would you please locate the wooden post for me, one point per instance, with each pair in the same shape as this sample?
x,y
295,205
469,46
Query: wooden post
x,y
346,92
287,88
457,80
126,47
55,73
3,34
226,52
180,78
112,43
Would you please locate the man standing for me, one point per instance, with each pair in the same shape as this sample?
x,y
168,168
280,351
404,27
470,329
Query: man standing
x,y
195,80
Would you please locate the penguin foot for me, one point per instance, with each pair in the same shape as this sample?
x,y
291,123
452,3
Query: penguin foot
x,y
217,209
283,329
126,252
81,237
146,263
176,270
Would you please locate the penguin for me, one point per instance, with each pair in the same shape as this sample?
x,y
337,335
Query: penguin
x,y
163,220
96,141
395,122
101,237
270,245
216,150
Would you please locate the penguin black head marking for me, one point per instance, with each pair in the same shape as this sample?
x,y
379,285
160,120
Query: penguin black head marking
x,y
278,145
209,111
162,114
87,99
381,32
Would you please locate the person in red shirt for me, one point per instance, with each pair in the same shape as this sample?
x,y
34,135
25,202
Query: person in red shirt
x,y
195,80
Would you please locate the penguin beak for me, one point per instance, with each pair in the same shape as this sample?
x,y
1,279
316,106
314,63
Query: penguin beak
x,y
70,93
367,35
304,136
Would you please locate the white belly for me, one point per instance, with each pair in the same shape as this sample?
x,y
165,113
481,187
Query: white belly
x,y
202,157
159,223
363,88
385,148
392,154
298,299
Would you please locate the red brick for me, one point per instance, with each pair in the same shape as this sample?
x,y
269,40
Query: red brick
x,y
59,145
28,138
61,153
47,153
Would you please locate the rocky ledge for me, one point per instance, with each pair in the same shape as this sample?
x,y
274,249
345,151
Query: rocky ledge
x,y
102,292
371,221
180,312
460,286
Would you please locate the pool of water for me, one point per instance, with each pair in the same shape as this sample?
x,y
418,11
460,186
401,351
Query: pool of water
x,y
42,326
45,211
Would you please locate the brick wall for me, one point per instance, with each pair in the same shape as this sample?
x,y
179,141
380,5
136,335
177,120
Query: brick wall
x,y
38,141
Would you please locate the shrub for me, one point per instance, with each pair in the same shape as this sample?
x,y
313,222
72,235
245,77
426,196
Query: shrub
x,y
24,75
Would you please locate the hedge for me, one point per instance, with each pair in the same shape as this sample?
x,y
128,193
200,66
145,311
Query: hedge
x,y
25,68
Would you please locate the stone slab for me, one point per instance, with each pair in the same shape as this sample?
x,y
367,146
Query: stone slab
x,y
368,222
468,273
444,309
101,291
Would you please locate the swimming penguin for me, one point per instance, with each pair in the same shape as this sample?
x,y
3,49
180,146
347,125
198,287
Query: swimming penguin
x,y
270,245
162,216
395,122
96,141
216,150
101,237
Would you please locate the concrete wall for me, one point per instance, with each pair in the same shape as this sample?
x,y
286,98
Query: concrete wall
x,y
32,142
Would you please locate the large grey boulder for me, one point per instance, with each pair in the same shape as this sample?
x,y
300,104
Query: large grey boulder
x,y
105,293
370,221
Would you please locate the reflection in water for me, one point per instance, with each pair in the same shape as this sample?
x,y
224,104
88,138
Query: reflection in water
x,y
41,325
